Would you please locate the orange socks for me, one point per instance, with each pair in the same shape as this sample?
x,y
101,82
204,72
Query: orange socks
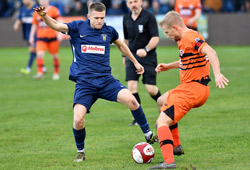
x,y
166,144
56,63
40,63
175,132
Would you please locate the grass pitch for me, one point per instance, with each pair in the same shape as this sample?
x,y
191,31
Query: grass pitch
x,y
36,118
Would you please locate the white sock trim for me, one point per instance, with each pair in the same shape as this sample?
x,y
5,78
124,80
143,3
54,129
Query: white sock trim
x,y
148,134
80,150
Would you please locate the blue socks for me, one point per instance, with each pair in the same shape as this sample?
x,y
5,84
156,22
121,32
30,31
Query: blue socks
x,y
140,118
31,59
79,139
138,115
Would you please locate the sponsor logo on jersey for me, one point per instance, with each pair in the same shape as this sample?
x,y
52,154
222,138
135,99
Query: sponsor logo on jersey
x,y
94,49
185,12
41,23
27,20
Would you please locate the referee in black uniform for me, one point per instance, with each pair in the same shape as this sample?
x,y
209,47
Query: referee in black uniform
x,y
141,35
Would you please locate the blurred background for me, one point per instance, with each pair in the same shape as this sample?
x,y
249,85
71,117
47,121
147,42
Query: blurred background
x,y
223,22
9,8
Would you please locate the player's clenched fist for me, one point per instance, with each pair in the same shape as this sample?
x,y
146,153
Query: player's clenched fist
x,y
139,68
162,67
40,11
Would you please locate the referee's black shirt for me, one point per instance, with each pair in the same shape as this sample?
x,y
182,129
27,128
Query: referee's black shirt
x,y
139,32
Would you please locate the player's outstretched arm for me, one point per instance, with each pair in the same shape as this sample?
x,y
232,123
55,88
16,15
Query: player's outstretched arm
x,y
165,67
220,80
123,56
53,24
125,50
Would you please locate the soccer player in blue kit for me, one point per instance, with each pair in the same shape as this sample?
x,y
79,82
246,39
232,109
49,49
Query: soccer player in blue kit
x,y
24,19
90,42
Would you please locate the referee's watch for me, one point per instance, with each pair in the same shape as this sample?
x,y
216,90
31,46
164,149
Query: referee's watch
x,y
146,49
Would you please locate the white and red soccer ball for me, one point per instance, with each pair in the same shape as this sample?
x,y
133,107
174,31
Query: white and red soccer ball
x,y
143,153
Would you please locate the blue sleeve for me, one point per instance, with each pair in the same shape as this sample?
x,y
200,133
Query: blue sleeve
x,y
19,15
73,27
115,35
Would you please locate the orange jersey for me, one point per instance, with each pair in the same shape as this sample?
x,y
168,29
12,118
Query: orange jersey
x,y
193,64
43,31
186,9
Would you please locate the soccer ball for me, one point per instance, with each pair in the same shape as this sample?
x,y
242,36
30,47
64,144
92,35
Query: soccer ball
x,y
143,153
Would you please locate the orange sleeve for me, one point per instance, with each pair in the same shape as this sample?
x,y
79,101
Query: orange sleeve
x,y
193,42
201,43
201,46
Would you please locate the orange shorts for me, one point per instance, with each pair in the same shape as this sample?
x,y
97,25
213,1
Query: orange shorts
x,y
183,98
52,46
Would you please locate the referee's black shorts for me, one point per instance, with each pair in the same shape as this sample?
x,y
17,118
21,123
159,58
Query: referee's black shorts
x,y
148,77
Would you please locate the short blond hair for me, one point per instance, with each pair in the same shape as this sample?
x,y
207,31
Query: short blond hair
x,y
170,19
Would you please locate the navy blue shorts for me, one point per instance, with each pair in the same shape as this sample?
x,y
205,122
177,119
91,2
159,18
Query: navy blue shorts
x,y
87,91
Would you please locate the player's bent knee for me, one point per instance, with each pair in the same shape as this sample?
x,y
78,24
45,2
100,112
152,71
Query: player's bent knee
x,y
152,90
134,105
164,120
79,124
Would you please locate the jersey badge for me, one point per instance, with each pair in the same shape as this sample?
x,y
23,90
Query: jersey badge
x,y
181,53
140,28
104,37
197,39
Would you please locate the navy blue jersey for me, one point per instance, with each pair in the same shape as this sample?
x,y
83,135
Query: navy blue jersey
x,y
91,50
25,17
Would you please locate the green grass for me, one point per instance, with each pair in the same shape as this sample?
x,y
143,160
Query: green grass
x,y
36,118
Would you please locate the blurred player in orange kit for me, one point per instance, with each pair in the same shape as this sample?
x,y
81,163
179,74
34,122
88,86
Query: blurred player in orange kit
x,y
24,20
194,64
46,39
190,11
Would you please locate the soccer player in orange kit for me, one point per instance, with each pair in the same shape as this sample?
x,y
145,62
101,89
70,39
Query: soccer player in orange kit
x,y
190,11
46,39
194,64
